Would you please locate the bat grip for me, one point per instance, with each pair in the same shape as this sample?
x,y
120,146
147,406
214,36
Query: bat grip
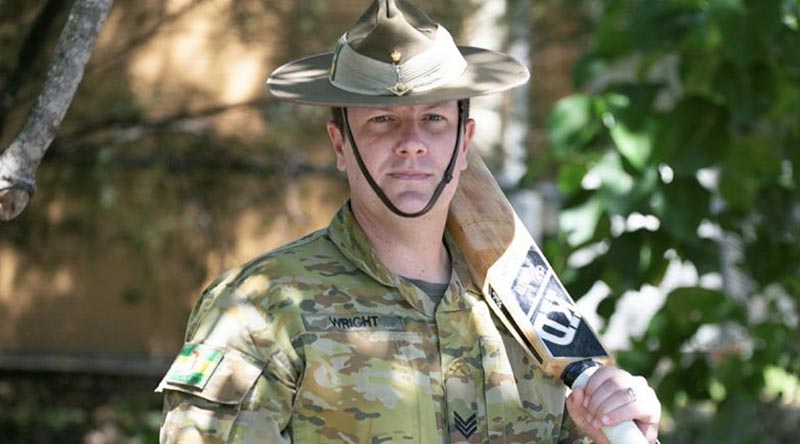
x,y
577,375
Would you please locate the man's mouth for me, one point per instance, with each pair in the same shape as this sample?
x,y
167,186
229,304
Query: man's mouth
x,y
410,174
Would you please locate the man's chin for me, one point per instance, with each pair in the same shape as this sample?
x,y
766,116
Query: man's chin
x,y
411,203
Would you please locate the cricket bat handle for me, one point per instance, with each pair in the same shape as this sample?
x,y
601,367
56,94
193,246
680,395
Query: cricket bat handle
x,y
623,433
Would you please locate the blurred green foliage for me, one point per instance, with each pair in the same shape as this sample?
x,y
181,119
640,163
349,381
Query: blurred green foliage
x,y
45,408
689,114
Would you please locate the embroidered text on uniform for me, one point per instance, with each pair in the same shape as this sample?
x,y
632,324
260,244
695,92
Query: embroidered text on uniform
x,y
354,321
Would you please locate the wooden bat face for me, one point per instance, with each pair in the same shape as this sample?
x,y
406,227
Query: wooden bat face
x,y
515,278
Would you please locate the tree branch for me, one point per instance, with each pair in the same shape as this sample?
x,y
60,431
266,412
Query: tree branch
x,y
137,123
31,48
19,162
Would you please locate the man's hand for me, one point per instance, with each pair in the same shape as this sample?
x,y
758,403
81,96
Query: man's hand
x,y
613,396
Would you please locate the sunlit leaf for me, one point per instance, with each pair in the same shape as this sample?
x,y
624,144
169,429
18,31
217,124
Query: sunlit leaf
x,y
571,125
613,178
634,146
630,104
581,221
570,176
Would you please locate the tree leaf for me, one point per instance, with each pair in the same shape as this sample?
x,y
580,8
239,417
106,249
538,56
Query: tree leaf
x,y
663,26
693,136
635,146
788,47
747,27
681,206
691,307
580,222
624,255
570,176
611,37
571,125
749,92
750,164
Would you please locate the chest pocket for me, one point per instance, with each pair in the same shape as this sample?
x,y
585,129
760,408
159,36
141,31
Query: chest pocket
x,y
363,387
495,394
522,401
515,413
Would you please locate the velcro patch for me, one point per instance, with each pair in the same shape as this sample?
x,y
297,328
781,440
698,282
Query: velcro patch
x,y
194,365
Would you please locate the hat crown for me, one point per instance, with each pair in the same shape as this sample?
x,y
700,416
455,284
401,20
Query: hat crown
x,y
395,55
388,26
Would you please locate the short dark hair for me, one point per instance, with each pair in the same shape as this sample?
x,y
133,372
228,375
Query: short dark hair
x,y
337,117
337,114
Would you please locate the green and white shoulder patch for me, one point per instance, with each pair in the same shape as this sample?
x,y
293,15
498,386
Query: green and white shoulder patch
x,y
194,365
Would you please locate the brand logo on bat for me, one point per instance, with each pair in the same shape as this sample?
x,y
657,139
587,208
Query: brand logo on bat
x,y
550,311
557,322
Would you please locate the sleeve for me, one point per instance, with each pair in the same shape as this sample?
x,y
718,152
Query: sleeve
x,y
570,433
222,387
240,403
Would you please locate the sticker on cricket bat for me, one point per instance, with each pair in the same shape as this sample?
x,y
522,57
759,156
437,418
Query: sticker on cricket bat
x,y
551,311
540,313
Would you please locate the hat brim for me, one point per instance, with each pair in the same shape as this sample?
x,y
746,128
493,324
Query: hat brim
x,y
306,81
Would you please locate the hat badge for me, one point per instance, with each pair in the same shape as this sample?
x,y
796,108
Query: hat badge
x,y
399,88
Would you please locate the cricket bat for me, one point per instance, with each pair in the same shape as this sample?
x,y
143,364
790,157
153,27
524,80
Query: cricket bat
x,y
521,288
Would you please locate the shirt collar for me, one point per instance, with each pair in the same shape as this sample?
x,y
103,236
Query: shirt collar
x,y
351,240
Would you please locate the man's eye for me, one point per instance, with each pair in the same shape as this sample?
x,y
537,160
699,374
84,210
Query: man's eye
x,y
434,118
380,119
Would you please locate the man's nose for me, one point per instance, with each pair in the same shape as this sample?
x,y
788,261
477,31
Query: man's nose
x,y
411,142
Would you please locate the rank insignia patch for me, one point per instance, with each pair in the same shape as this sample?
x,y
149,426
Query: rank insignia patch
x,y
194,365
466,426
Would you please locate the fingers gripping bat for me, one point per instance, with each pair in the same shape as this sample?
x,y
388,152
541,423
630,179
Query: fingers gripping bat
x,y
521,287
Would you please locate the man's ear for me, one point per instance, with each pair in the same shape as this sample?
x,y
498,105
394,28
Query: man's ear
x,y
466,142
337,143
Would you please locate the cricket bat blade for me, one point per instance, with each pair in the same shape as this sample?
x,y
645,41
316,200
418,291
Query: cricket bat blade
x,y
520,286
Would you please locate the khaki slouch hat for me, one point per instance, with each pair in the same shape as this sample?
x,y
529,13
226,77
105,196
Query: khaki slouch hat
x,y
395,55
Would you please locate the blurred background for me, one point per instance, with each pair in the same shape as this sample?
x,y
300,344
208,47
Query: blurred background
x,y
655,155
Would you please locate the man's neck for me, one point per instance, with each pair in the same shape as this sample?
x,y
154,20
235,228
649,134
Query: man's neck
x,y
409,247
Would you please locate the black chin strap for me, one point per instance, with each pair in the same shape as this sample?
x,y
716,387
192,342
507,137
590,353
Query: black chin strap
x,y
446,178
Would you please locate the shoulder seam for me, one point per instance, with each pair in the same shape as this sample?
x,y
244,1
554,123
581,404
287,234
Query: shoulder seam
x,y
245,269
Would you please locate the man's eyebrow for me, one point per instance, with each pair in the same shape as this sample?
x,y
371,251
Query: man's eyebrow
x,y
434,106
378,108
425,107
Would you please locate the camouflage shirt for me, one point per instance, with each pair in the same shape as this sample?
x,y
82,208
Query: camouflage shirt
x,y
318,342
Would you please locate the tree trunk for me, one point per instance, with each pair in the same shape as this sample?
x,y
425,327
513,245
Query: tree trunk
x,y
19,162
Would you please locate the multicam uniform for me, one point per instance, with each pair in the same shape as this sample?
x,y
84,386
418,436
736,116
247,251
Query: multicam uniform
x,y
318,342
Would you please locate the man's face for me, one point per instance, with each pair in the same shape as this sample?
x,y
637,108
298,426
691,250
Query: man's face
x,y
406,149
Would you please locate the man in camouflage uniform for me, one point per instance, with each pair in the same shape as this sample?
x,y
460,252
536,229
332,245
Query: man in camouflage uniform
x,y
371,331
